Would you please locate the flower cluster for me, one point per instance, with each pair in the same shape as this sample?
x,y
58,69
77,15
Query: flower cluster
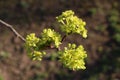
x,y
31,46
32,40
37,55
71,23
49,36
34,45
73,57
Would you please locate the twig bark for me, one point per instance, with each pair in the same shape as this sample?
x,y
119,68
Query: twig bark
x,y
12,29
63,38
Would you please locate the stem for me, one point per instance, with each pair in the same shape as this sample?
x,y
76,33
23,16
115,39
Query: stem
x,y
58,49
63,38
12,29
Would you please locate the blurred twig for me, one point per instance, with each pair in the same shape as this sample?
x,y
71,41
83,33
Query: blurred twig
x,y
12,29
63,38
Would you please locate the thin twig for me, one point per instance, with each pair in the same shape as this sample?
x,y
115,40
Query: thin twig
x,y
63,38
13,30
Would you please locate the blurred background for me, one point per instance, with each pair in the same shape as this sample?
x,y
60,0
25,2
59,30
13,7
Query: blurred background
x,y
27,16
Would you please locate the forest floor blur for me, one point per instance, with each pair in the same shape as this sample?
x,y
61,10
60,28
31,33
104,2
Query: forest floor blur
x,y
30,16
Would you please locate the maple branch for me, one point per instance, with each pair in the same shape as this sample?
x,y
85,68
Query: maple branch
x,y
12,29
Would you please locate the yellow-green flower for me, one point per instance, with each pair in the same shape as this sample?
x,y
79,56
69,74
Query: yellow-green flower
x,y
37,55
73,57
70,23
49,35
31,40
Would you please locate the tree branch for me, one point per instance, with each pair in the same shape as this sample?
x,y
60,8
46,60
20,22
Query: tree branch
x,y
12,29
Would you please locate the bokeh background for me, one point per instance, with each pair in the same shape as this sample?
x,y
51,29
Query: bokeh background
x,y
32,16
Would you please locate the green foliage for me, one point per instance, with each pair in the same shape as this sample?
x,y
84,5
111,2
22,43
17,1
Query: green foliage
x,y
1,77
117,37
100,28
4,54
39,76
113,18
92,11
72,56
71,23
115,24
